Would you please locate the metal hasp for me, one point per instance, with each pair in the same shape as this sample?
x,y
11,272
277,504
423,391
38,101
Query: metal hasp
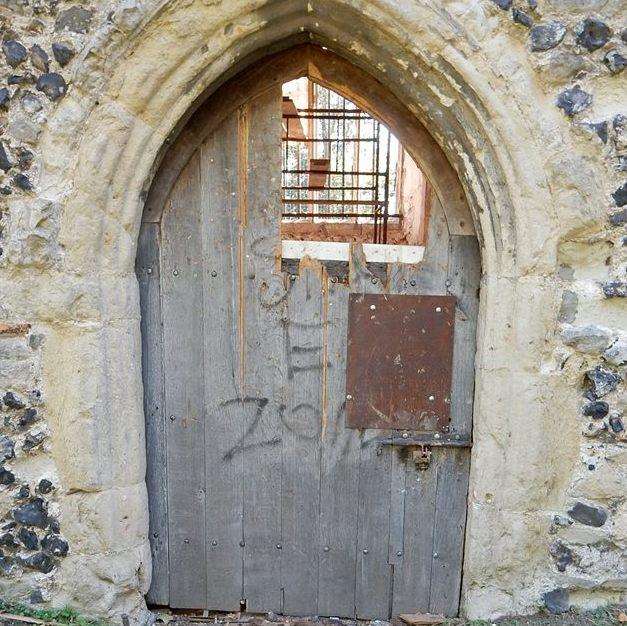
x,y
399,361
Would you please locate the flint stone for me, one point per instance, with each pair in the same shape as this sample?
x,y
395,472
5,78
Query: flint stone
x,y
5,96
616,424
14,52
546,35
520,17
63,54
7,448
588,515
21,181
28,538
39,58
615,290
75,19
618,218
54,545
53,85
573,100
557,601
596,410
5,162
616,354
12,401
33,513
590,339
40,561
592,34
45,486
506,5
29,417
602,381
615,61
6,477
620,195
8,540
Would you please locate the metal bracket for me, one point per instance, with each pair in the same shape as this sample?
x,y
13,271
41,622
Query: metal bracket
x,y
421,456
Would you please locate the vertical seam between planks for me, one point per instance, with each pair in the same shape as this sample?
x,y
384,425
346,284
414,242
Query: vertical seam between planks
x,y
242,216
323,427
433,530
201,210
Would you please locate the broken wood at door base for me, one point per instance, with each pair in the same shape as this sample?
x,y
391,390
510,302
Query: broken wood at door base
x,y
418,619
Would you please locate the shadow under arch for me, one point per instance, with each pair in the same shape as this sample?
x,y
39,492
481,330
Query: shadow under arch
x,y
330,70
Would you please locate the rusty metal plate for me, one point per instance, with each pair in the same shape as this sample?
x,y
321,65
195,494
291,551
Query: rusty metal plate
x,y
399,361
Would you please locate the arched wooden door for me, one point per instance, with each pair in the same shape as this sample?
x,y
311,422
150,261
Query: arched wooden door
x,y
260,495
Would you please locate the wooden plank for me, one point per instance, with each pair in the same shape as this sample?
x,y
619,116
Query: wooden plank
x,y
448,530
225,410
339,472
147,269
412,572
302,421
182,305
261,333
464,275
373,572
451,507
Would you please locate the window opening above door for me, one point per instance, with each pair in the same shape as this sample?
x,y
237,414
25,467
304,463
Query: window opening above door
x,y
346,178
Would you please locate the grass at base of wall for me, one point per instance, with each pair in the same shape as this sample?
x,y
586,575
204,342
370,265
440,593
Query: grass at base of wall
x,y
598,617
65,615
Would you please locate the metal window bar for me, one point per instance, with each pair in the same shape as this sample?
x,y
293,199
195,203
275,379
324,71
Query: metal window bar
x,y
344,135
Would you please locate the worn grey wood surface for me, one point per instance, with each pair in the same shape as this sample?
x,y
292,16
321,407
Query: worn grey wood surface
x,y
225,411
464,274
302,421
148,274
264,366
373,572
182,306
269,497
339,469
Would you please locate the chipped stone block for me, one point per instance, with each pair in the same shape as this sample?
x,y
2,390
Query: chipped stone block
x,y
557,601
602,381
573,100
546,35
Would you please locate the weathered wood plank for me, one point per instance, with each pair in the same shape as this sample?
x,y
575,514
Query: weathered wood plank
x,y
147,269
373,572
412,572
450,521
464,274
302,422
224,425
339,472
448,530
182,305
261,334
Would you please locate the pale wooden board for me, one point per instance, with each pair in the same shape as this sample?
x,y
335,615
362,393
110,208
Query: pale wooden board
x,y
182,305
225,411
339,472
264,305
147,269
302,420
373,577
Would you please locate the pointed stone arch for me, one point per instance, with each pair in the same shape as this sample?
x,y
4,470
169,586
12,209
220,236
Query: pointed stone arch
x,y
142,78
